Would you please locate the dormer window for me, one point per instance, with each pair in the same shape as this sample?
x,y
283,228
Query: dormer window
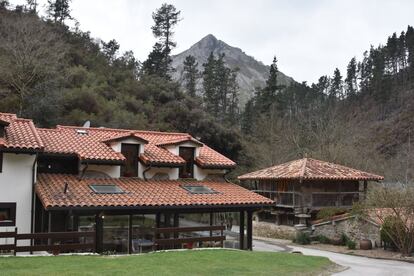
x,y
187,153
131,153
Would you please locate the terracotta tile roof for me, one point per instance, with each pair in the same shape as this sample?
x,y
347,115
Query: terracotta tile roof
x,y
139,193
20,135
309,168
92,144
87,146
209,158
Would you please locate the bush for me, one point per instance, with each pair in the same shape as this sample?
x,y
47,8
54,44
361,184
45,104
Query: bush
x,y
389,230
351,244
329,212
302,238
323,239
344,239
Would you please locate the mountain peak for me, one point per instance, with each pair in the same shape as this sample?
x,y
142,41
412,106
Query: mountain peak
x,y
251,74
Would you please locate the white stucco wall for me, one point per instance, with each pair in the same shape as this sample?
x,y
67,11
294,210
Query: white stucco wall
x,y
16,186
201,174
172,172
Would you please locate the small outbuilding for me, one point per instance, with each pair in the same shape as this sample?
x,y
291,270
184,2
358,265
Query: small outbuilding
x,y
301,188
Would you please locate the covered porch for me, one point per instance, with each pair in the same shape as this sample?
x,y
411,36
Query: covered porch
x,y
148,215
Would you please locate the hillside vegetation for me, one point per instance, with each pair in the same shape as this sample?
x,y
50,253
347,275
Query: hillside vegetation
x,y
60,75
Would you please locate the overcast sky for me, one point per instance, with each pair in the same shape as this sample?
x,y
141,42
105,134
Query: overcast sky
x,y
309,38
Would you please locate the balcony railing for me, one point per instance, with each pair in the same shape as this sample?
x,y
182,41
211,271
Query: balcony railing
x,y
313,199
289,199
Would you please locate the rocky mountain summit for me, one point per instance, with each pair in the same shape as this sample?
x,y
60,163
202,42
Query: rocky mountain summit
x,y
252,73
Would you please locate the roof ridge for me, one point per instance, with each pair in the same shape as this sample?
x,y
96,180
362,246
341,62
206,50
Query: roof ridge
x,y
303,169
126,130
37,136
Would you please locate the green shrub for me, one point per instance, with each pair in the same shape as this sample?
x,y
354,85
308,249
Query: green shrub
x,y
344,239
323,239
302,238
329,212
351,244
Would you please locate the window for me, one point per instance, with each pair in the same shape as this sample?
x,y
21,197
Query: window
x,y
7,214
187,171
199,189
106,189
1,162
131,152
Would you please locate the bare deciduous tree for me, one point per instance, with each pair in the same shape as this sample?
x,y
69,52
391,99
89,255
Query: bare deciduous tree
x,y
30,54
394,204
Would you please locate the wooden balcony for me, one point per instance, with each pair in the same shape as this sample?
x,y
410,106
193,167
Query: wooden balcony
x,y
315,200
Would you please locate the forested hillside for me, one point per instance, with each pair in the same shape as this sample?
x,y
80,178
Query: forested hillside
x,y
60,75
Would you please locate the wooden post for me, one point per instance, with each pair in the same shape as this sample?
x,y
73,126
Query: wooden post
x,y
157,225
130,234
49,226
249,230
211,222
365,189
15,241
98,233
241,230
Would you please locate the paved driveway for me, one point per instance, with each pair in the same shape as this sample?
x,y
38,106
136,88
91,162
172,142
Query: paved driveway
x,y
360,266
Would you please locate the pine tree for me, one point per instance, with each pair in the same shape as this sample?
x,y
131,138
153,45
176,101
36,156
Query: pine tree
x,y
110,49
165,18
336,88
59,10
271,82
191,75
159,60
351,78
31,6
209,85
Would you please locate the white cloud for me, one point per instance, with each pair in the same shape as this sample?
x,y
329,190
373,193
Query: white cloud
x,y
310,38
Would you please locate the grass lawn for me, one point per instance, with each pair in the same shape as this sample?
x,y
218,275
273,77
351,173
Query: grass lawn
x,y
192,262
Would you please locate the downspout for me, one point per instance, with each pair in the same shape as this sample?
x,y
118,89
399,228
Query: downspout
x,y
145,171
33,197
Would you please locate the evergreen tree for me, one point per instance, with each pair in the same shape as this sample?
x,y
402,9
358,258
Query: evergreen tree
x,y
336,88
31,5
165,18
191,75
209,86
59,10
159,60
110,49
351,78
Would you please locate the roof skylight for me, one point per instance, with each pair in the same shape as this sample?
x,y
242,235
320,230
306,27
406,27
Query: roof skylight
x,y
106,189
198,189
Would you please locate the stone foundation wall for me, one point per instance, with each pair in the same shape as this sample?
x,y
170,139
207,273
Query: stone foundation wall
x,y
355,228
272,230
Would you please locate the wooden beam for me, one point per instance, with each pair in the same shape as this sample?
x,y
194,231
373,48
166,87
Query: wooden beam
x,y
130,234
241,230
249,230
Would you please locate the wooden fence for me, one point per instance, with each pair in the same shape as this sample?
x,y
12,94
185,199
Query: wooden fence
x,y
176,240
55,241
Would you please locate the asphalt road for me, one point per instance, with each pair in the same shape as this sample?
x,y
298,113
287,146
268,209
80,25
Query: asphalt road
x,y
356,265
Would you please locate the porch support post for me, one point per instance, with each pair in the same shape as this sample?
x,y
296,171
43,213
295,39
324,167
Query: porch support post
x,y
130,234
49,225
365,189
249,230
241,230
211,222
98,233
157,225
